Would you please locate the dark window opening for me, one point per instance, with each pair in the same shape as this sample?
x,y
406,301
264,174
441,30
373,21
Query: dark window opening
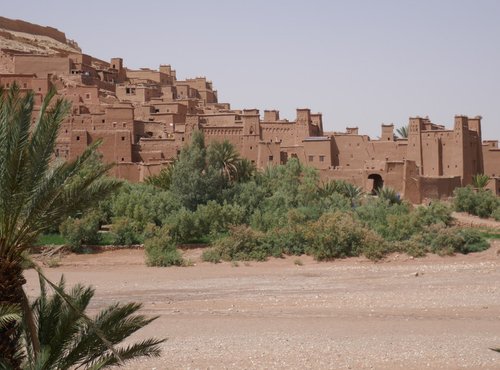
x,y
311,158
78,138
321,158
378,183
123,138
270,158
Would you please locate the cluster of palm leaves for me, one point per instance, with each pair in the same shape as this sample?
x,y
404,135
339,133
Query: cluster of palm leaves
x,y
348,190
65,339
402,132
37,193
480,181
388,194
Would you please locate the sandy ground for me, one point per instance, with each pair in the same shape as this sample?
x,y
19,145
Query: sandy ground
x,y
403,313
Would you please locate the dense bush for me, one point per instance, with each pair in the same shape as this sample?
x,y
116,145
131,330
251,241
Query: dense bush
x,y
496,214
161,250
242,243
142,203
126,231
335,235
206,223
479,202
81,231
445,241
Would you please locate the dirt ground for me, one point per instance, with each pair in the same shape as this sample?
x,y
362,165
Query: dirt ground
x,y
402,313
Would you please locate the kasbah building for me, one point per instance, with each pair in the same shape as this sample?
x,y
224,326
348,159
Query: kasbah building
x,y
144,118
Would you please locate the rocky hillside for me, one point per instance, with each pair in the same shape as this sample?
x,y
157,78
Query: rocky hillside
x,y
18,36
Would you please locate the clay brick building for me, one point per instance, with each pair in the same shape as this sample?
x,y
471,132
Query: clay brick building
x,y
144,117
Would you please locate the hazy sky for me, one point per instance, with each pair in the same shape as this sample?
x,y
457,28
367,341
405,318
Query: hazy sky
x,y
358,62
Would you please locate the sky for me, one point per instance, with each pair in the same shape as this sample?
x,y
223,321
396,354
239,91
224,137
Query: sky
x,y
360,63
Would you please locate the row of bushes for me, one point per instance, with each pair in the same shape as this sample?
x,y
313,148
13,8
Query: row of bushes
x,y
342,234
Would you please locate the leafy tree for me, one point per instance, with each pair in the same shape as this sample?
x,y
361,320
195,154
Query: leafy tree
x,y
36,193
193,181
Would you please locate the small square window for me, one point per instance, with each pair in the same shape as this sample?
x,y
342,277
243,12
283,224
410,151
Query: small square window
x,y
270,158
123,138
78,138
321,158
311,158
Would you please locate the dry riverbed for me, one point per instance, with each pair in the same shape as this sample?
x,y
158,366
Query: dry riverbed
x,y
402,313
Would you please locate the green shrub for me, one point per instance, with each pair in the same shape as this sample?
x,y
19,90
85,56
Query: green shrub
x,y
335,235
375,247
206,223
413,247
125,231
496,214
211,255
480,202
445,241
391,221
242,244
288,240
388,194
474,241
161,250
81,231
487,203
435,213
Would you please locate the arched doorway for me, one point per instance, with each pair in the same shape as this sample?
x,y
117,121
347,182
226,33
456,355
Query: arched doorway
x,y
378,182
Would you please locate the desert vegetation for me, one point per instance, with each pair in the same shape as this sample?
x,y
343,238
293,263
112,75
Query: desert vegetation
x,y
211,196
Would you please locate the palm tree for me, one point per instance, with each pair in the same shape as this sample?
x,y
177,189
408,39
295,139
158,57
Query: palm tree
x,y
36,193
224,157
480,180
351,191
328,188
245,170
67,341
403,132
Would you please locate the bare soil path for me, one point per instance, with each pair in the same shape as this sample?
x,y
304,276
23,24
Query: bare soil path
x,y
403,313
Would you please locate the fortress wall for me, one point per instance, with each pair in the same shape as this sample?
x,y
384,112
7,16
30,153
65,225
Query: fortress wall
x,y
41,65
17,25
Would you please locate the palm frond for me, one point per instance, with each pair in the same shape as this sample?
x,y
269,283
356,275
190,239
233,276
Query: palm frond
x,y
9,313
403,132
